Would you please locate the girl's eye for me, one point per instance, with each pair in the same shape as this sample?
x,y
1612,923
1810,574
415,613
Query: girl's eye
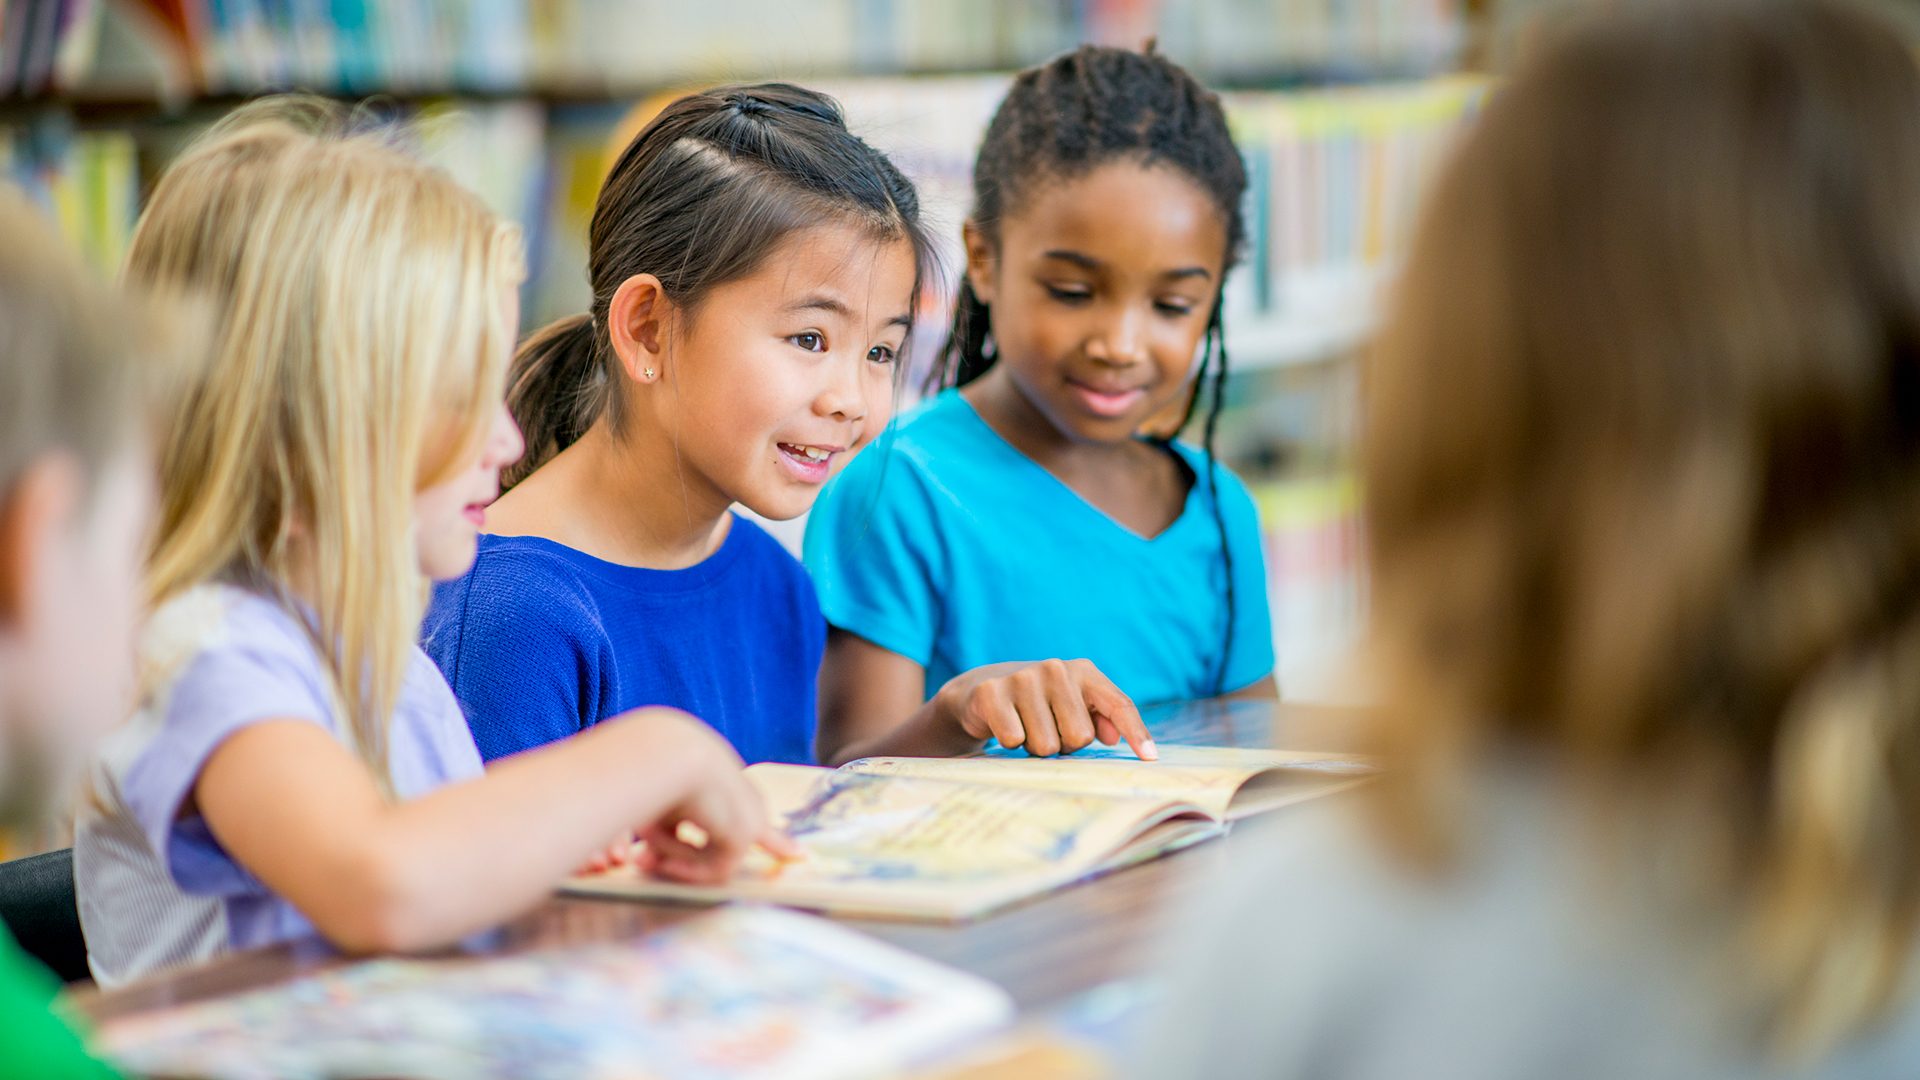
x,y
1069,295
881,354
1175,308
810,341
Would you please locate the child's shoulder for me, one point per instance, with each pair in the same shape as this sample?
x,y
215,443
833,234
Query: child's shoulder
x,y
940,444
936,426
215,616
529,566
522,587
235,644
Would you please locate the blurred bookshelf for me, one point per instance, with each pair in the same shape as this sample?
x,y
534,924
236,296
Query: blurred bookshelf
x,y
1342,107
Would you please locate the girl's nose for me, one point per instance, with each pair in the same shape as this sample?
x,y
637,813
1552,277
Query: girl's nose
x,y
1122,342
844,397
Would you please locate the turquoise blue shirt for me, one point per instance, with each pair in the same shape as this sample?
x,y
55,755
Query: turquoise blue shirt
x,y
948,546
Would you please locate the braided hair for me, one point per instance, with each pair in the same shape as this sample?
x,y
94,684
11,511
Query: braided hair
x,y
1068,117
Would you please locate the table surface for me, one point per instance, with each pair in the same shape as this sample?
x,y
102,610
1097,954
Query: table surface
x,y
1042,952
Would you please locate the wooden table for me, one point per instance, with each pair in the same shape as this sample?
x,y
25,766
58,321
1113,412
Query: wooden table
x,y
1042,952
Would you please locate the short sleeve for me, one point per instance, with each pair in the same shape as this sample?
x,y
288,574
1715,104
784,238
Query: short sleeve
x,y
1252,658
877,554
523,652
245,679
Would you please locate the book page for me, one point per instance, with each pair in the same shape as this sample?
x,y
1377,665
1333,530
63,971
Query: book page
x,y
866,827
1207,776
905,846
785,788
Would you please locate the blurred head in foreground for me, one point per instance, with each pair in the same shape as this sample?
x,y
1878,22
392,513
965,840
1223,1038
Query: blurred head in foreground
x,y
1642,469
75,496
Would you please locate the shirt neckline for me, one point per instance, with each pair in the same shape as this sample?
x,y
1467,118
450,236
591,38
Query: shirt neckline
x,y
1187,507
641,578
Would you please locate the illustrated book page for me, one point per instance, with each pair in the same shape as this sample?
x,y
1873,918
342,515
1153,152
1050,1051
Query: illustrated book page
x,y
909,847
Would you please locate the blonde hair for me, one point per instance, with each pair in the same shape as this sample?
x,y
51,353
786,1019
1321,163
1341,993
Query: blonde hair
x,y
1642,463
360,355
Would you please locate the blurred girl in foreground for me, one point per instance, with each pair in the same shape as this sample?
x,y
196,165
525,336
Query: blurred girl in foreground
x,y
1642,464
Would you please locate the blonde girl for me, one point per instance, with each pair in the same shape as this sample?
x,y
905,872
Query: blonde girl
x,y
296,763
1642,463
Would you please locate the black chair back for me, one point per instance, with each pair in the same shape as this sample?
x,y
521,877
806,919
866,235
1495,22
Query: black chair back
x,y
38,904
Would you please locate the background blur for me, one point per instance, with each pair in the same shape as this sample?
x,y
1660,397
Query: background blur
x,y
1341,106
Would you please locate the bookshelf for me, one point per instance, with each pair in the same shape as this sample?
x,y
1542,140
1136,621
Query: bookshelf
x,y
1343,108
174,49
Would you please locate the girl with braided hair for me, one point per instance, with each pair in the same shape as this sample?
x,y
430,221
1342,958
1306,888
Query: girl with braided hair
x,y
1024,511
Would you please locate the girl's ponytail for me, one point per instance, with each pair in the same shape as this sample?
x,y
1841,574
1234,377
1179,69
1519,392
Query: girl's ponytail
x,y
555,391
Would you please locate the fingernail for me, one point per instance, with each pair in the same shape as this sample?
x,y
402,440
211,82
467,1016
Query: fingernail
x,y
1148,751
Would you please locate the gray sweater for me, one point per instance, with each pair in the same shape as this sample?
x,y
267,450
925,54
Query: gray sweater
x,y
1315,955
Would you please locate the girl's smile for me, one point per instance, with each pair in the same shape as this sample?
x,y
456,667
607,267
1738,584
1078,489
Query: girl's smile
x,y
1107,403
811,464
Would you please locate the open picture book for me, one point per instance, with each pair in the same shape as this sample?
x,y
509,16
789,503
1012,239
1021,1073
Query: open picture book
x,y
947,839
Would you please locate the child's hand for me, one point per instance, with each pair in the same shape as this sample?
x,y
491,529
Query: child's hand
x,y
701,838
1050,707
618,853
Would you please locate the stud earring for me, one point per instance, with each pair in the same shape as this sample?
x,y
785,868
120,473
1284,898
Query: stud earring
x,y
646,373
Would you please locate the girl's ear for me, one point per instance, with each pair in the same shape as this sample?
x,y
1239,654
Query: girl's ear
x,y
982,260
637,318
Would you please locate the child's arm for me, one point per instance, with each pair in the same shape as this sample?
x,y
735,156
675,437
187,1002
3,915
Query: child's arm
x,y
873,702
302,814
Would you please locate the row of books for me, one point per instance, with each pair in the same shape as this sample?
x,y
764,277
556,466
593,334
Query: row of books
x,y
121,47
1316,582
1336,180
1336,176
87,182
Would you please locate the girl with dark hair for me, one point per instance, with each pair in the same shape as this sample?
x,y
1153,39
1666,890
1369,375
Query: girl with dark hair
x,y
1023,512
754,266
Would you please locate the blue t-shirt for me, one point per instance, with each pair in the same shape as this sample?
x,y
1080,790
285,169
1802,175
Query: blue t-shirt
x,y
948,546
540,641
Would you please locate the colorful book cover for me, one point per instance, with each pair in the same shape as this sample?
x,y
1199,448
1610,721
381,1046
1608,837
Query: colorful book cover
x,y
741,993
